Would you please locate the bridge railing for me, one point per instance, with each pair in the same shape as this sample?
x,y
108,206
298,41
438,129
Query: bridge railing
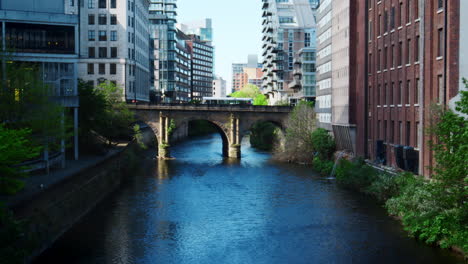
x,y
212,107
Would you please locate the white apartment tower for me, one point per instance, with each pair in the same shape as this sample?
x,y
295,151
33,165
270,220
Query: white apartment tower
x,y
288,27
115,45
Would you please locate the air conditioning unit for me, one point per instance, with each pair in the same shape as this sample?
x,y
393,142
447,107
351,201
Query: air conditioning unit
x,y
399,156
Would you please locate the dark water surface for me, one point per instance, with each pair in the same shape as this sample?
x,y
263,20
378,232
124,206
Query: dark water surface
x,y
203,209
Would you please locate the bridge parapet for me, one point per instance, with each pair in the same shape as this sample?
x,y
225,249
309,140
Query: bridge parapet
x,y
217,108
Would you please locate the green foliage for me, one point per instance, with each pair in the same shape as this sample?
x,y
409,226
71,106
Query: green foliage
x,y
15,244
260,99
298,141
138,137
104,112
355,175
263,135
251,91
282,103
324,167
323,143
15,148
26,102
436,211
171,128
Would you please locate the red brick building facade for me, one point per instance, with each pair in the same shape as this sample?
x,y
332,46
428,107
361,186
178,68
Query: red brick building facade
x,y
412,56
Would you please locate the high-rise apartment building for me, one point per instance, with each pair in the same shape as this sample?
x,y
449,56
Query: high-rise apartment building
x,y
45,34
288,27
202,67
114,45
219,87
414,60
162,16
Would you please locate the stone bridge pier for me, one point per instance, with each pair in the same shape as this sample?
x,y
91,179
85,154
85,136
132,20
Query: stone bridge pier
x,y
232,122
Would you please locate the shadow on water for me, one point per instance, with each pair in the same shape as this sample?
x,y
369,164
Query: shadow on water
x,y
202,208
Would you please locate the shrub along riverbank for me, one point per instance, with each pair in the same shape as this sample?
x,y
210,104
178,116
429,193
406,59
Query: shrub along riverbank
x,y
434,210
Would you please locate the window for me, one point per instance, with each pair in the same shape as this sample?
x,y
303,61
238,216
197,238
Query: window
x,y
408,92
102,3
416,91
284,20
392,18
91,4
418,128
113,36
90,19
378,60
385,56
129,21
401,132
90,83
102,19
72,2
113,52
379,25
416,9
113,20
392,132
102,35
385,21
113,4
91,35
408,11
440,41
379,97
441,89
370,30
392,90
408,52
102,68
113,69
408,133
387,95
400,54
90,68
440,4
416,49
400,93
102,52
393,57
400,21
91,52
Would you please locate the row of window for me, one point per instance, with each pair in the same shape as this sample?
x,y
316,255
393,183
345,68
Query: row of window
x,y
389,94
388,135
102,68
102,19
387,20
102,52
102,35
102,3
389,57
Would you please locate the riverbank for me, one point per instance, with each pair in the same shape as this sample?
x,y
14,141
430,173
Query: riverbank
x,y
424,207
51,204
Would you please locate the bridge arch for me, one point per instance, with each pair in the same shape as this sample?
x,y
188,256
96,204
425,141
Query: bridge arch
x,y
220,127
246,128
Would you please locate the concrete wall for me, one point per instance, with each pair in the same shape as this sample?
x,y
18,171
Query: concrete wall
x,y
55,210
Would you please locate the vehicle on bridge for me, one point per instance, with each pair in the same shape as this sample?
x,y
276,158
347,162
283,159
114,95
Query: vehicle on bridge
x,y
227,101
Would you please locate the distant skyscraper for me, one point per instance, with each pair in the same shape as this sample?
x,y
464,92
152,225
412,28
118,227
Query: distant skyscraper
x,y
288,27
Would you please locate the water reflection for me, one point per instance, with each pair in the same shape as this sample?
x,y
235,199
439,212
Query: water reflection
x,y
202,208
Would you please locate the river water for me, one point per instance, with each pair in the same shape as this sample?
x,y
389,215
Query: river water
x,y
201,208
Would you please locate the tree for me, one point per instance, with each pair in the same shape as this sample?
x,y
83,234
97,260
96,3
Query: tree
x,y
26,102
15,148
104,113
299,127
323,143
253,92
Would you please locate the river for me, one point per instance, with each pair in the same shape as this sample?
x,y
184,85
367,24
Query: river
x,y
201,208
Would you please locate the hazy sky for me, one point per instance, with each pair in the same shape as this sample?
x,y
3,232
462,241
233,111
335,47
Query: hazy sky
x,y
236,29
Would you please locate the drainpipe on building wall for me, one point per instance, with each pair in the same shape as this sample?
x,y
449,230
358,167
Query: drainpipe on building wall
x,y
445,50
366,85
422,35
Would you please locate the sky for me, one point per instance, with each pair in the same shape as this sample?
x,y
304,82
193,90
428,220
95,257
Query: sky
x,y
237,30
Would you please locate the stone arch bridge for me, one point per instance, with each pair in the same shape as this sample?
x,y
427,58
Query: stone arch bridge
x,y
233,122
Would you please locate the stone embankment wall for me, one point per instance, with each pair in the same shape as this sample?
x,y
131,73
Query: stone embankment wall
x,y
55,210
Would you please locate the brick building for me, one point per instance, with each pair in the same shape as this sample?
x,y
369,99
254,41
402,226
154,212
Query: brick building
x,y
413,62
